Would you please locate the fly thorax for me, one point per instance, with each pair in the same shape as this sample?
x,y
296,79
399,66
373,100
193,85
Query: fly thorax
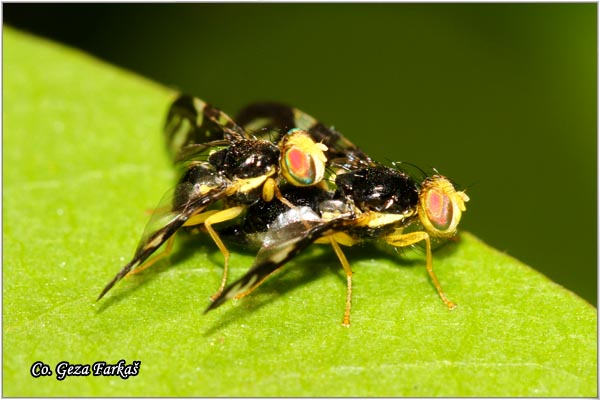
x,y
250,159
380,189
198,180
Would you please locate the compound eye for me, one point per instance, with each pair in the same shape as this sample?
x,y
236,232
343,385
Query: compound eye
x,y
300,167
438,209
441,206
302,160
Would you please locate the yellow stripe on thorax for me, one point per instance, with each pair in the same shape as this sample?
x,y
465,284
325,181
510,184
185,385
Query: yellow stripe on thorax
x,y
375,219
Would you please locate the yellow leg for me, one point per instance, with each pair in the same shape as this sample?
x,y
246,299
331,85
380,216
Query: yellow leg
x,y
277,193
340,237
199,219
269,188
345,265
221,216
159,256
348,271
193,220
402,240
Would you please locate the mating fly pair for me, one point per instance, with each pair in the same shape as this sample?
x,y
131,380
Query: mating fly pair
x,y
287,181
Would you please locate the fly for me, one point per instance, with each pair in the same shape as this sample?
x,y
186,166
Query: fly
x,y
225,164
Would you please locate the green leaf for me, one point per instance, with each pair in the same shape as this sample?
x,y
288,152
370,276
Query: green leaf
x,y
83,161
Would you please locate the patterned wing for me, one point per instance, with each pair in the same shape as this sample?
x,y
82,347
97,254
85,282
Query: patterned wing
x,y
292,233
192,123
276,119
200,188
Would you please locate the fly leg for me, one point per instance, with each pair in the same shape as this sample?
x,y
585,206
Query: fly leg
x,y
193,220
207,218
215,218
270,190
348,271
406,239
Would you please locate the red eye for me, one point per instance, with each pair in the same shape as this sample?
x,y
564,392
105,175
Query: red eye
x,y
300,166
440,206
439,209
302,160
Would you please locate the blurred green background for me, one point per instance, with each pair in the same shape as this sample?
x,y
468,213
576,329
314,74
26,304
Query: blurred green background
x,y
502,98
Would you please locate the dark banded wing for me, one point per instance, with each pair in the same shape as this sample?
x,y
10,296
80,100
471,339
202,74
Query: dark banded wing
x,y
276,119
198,151
192,122
199,189
279,246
